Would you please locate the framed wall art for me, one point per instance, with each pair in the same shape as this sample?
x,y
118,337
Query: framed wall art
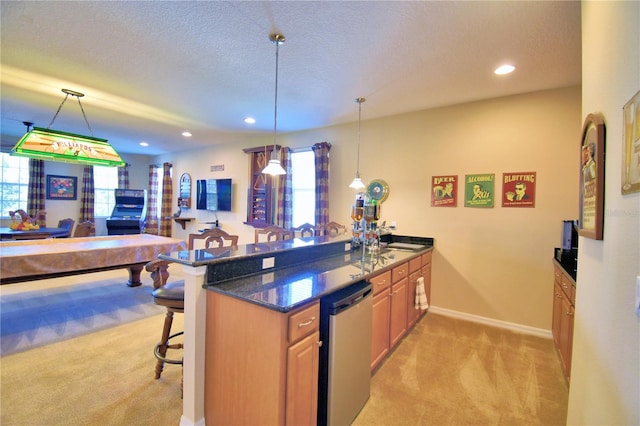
x,y
62,187
444,191
519,189
479,190
592,148
631,145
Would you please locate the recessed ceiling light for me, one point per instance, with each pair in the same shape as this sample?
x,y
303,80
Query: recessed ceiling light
x,y
186,134
144,143
250,120
504,69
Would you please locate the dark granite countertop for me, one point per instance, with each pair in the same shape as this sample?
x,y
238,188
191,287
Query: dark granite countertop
x,y
304,269
288,288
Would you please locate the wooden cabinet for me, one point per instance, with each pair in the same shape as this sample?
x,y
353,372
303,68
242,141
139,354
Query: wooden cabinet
x,y
426,274
394,310
261,365
380,317
398,305
260,197
563,317
415,272
302,381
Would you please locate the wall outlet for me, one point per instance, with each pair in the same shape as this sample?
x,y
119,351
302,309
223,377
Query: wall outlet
x,y
268,262
394,224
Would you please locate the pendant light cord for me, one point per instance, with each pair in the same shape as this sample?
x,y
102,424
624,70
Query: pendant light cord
x,y
275,108
77,95
359,100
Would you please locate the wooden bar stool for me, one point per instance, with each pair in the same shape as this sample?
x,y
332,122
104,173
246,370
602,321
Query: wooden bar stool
x,y
171,295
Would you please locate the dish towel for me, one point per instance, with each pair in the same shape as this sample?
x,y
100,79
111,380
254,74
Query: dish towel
x,y
421,301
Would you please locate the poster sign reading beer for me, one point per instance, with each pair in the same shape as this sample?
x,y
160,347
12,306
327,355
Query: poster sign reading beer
x,y
444,191
479,190
519,189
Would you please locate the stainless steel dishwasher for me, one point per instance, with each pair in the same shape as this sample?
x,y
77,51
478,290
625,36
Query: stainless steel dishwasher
x,y
345,357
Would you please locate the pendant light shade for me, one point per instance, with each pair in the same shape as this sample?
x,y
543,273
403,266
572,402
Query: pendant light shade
x,y
357,182
274,168
54,145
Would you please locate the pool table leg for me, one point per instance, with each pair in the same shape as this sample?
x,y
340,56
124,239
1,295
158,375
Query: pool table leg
x,y
134,275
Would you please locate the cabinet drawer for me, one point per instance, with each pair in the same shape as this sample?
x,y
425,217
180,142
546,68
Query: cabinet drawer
x,y
400,272
304,322
381,282
415,264
568,288
426,258
557,274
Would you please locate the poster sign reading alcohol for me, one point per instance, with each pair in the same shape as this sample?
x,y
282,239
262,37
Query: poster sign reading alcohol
x,y
444,191
519,189
479,190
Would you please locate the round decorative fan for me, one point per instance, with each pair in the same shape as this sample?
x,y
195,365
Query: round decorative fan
x,y
378,190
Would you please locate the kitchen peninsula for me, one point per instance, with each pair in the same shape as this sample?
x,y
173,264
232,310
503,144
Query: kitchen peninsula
x,y
251,322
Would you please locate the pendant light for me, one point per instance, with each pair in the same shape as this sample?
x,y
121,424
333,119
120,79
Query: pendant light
x,y
54,145
274,168
357,182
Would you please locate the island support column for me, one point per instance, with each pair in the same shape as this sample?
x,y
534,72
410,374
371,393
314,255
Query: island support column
x,y
195,318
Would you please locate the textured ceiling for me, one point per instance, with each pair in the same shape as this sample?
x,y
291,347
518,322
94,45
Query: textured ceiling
x,y
152,69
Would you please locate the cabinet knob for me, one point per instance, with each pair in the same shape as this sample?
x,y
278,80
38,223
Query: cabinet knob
x,y
569,314
319,343
558,295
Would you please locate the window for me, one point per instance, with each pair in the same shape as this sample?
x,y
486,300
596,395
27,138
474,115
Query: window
x,y
14,191
105,180
303,181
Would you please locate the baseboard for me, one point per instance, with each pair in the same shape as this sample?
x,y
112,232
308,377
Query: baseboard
x,y
540,332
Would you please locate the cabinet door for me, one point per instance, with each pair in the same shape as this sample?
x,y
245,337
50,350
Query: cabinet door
x,y
412,313
566,333
302,381
380,328
557,314
426,274
398,322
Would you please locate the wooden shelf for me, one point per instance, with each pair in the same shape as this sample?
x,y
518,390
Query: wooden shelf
x,y
183,221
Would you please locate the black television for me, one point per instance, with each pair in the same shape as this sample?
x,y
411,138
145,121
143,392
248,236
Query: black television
x,y
213,194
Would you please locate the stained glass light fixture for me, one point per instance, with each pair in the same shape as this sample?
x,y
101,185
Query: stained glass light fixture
x,y
54,145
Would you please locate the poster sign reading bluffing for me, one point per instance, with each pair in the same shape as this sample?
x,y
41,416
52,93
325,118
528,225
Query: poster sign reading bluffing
x,y
444,191
519,189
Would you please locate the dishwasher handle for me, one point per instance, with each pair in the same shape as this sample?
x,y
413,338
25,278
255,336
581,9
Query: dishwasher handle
x,y
351,297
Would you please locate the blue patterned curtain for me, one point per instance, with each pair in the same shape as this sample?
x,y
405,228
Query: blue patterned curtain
x,y
167,201
36,192
88,195
151,222
321,153
285,191
123,177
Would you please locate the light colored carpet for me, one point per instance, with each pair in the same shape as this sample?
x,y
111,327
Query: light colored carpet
x,y
454,372
102,378
446,372
38,313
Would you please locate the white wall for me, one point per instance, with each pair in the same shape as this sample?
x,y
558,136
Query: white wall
x,y
605,376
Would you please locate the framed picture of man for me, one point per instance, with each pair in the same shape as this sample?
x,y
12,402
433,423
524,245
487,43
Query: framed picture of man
x,y
592,148
519,189
444,191
479,190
